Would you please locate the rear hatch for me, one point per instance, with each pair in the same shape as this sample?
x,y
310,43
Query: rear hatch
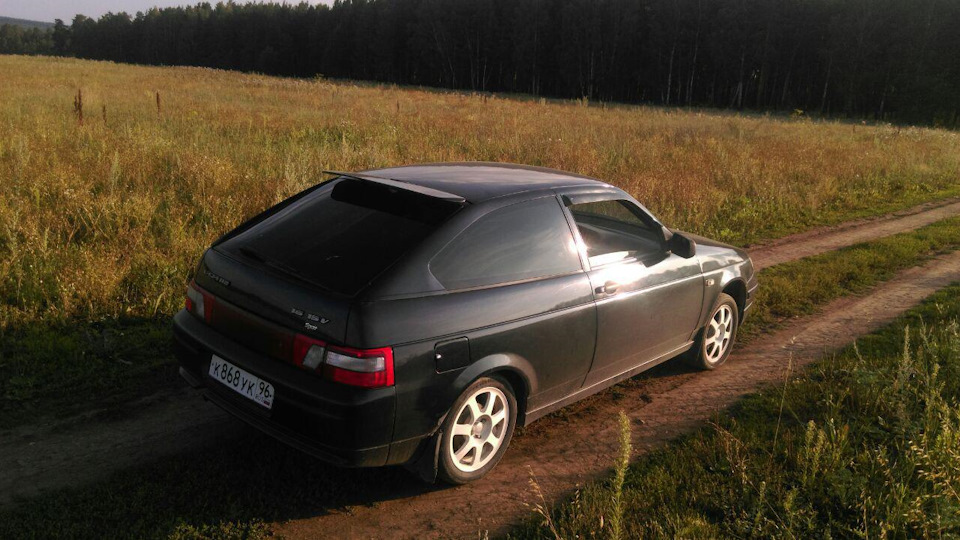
x,y
302,264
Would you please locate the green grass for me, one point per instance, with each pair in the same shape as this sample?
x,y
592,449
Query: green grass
x,y
102,223
800,287
110,363
60,370
863,444
236,484
232,486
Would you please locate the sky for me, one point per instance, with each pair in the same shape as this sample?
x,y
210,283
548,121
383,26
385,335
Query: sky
x,y
48,10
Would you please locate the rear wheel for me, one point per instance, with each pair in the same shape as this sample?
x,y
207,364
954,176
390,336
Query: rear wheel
x,y
477,431
715,341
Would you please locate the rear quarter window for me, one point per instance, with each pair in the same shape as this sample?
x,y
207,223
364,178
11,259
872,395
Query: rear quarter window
x,y
518,242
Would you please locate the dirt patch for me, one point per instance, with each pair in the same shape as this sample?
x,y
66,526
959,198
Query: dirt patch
x,y
77,451
824,239
566,451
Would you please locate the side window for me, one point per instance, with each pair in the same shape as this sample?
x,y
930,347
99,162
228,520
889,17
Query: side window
x,y
522,241
613,232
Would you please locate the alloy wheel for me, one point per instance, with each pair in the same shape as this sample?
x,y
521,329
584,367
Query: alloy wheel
x,y
719,334
479,429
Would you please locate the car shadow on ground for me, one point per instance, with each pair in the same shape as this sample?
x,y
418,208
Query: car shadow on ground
x,y
247,476
244,477
59,370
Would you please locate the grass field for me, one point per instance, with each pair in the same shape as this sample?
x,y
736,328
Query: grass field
x,y
801,287
213,492
102,222
865,444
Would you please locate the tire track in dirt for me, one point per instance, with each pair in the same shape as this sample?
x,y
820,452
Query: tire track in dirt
x,y
824,239
568,451
76,451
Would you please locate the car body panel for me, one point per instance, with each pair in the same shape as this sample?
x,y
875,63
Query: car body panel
x,y
656,303
278,298
724,267
655,310
497,321
347,425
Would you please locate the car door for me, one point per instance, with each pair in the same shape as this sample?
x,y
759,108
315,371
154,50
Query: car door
x,y
648,299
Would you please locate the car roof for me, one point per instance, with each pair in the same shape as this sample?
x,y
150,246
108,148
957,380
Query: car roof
x,y
477,181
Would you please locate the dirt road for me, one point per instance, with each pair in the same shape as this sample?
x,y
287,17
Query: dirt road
x,y
824,239
77,451
562,451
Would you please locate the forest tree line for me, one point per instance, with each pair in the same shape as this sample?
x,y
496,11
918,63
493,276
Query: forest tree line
x,y
889,60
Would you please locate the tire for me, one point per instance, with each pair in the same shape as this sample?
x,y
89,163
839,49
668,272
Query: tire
x,y
708,351
479,426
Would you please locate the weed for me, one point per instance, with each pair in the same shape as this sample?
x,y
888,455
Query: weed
x,y
78,106
619,476
541,507
884,462
254,530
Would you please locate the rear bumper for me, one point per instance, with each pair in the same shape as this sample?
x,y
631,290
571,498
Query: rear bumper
x,y
346,426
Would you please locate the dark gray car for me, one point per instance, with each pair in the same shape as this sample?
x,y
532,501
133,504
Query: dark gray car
x,y
415,315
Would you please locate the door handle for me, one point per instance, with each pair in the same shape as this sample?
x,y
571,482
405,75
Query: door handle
x,y
609,287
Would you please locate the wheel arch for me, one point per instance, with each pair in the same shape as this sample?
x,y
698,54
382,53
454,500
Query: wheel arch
x,y
513,369
518,383
737,289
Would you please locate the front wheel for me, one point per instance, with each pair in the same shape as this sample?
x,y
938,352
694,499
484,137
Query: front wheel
x,y
477,431
715,341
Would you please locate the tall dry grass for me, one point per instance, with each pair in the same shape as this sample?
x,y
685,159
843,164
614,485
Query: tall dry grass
x,y
107,218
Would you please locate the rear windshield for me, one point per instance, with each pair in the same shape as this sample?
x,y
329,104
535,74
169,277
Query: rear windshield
x,y
341,236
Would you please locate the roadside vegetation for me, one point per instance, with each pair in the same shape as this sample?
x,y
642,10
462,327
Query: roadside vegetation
x,y
119,361
212,492
800,287
862,444
115,178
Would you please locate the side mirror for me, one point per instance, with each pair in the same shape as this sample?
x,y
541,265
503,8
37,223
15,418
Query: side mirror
x,y
679,244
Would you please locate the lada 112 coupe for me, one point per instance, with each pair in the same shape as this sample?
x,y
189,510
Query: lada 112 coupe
x,y
416,315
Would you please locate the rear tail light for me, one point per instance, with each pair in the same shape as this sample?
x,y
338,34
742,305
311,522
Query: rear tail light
x,y
367,368
308,352
199,302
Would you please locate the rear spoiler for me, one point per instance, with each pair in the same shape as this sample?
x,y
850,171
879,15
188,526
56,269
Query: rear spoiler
x,y
429,192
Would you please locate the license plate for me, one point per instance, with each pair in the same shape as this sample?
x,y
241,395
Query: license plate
x,y
242,382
